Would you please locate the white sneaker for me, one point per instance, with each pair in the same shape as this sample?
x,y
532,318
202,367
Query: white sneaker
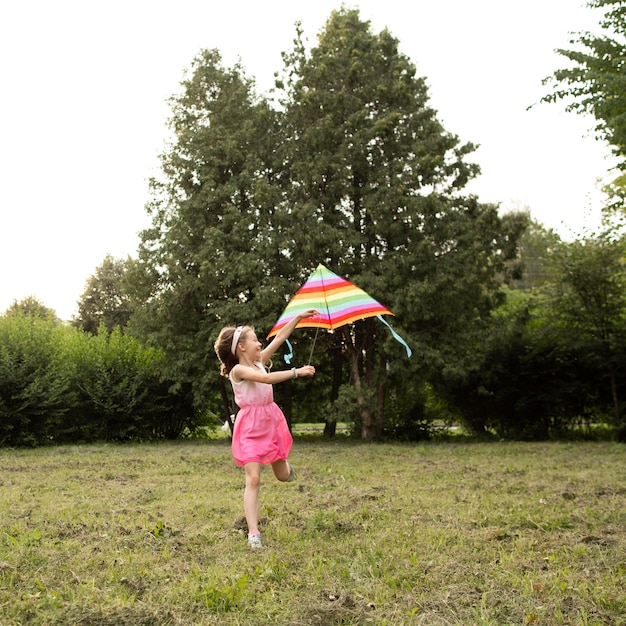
x,y
292,474
254,541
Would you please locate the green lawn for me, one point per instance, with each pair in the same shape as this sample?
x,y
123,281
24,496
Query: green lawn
x,y
433,534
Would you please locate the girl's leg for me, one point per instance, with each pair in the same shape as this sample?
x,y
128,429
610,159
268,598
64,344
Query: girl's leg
x,y
283,471
251,496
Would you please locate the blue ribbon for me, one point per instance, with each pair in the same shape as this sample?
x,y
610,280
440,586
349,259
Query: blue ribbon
x,y
395,335
289,356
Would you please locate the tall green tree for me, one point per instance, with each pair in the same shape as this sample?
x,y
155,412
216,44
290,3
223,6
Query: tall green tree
x,y
212,245
351,168
104,301
376,182
595,82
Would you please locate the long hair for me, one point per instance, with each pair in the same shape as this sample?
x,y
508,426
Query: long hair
x,y
223,348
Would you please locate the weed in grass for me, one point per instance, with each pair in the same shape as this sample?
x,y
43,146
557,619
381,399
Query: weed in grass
x,y
223,596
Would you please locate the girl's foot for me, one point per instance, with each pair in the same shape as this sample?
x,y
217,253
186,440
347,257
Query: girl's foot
x,y
292,474
254,540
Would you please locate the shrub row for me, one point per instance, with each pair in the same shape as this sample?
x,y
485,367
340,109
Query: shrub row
x,y
59,384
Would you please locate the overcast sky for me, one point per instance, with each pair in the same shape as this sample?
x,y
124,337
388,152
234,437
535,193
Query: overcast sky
x,y
83,112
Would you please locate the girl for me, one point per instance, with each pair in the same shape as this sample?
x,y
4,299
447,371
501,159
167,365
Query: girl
x,y
261,435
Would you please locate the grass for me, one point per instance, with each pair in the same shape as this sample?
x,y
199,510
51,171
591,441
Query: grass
x,y
433,534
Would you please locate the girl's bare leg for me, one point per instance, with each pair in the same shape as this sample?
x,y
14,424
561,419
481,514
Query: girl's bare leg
x,y
282,470
251,496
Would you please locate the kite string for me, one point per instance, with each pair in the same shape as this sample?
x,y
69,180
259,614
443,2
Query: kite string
x,y
317,330
324,302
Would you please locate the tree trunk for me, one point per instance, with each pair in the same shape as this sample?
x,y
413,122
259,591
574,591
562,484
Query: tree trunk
x,y
368,426
617,411
372,422
616,403
226,404
330,428
380,398
367,421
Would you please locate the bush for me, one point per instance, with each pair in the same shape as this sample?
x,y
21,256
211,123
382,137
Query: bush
x,y
34,385
533,379
409,416
59,384
120,392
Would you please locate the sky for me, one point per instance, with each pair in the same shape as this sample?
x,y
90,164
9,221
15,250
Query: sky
x,y
83,112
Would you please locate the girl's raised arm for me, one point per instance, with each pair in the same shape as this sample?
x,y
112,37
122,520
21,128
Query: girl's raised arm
x,y
283,334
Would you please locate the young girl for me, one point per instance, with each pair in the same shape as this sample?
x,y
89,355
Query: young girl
x,y
261,435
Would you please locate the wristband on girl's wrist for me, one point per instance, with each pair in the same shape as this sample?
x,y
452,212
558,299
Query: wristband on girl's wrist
x,y
294,373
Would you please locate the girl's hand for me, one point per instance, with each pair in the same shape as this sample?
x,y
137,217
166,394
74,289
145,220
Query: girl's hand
x,y
309,313
305,370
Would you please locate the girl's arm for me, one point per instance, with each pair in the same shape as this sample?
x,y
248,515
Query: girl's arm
x,y
281,336
243,372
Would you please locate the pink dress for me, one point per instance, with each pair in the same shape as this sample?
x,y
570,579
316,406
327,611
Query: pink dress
x,y
261,433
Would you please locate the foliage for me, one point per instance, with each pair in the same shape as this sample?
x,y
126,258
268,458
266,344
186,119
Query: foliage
x,y
118,386
552,356
31,307
351,168
409,418
58,383
595,82
551,361
591,300
104,300
34,385
532,268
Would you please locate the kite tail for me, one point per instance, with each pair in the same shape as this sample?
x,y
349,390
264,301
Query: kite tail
x,y
395,335
289,355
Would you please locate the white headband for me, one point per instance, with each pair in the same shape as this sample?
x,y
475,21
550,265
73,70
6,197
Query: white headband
x,y
236,335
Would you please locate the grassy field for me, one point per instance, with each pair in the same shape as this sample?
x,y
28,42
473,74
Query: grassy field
x,y
434,534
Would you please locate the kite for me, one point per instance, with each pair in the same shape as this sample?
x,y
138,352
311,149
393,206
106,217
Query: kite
x,y
338,302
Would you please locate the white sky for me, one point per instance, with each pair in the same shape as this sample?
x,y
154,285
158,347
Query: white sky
x,y
83,112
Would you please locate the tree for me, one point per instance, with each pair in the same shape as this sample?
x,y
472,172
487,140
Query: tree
x,y
591,298
351,169
31,307
596,81
212,245
533,268
376,182
104,300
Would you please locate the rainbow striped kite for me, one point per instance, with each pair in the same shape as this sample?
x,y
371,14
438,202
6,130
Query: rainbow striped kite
x,y
338,301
